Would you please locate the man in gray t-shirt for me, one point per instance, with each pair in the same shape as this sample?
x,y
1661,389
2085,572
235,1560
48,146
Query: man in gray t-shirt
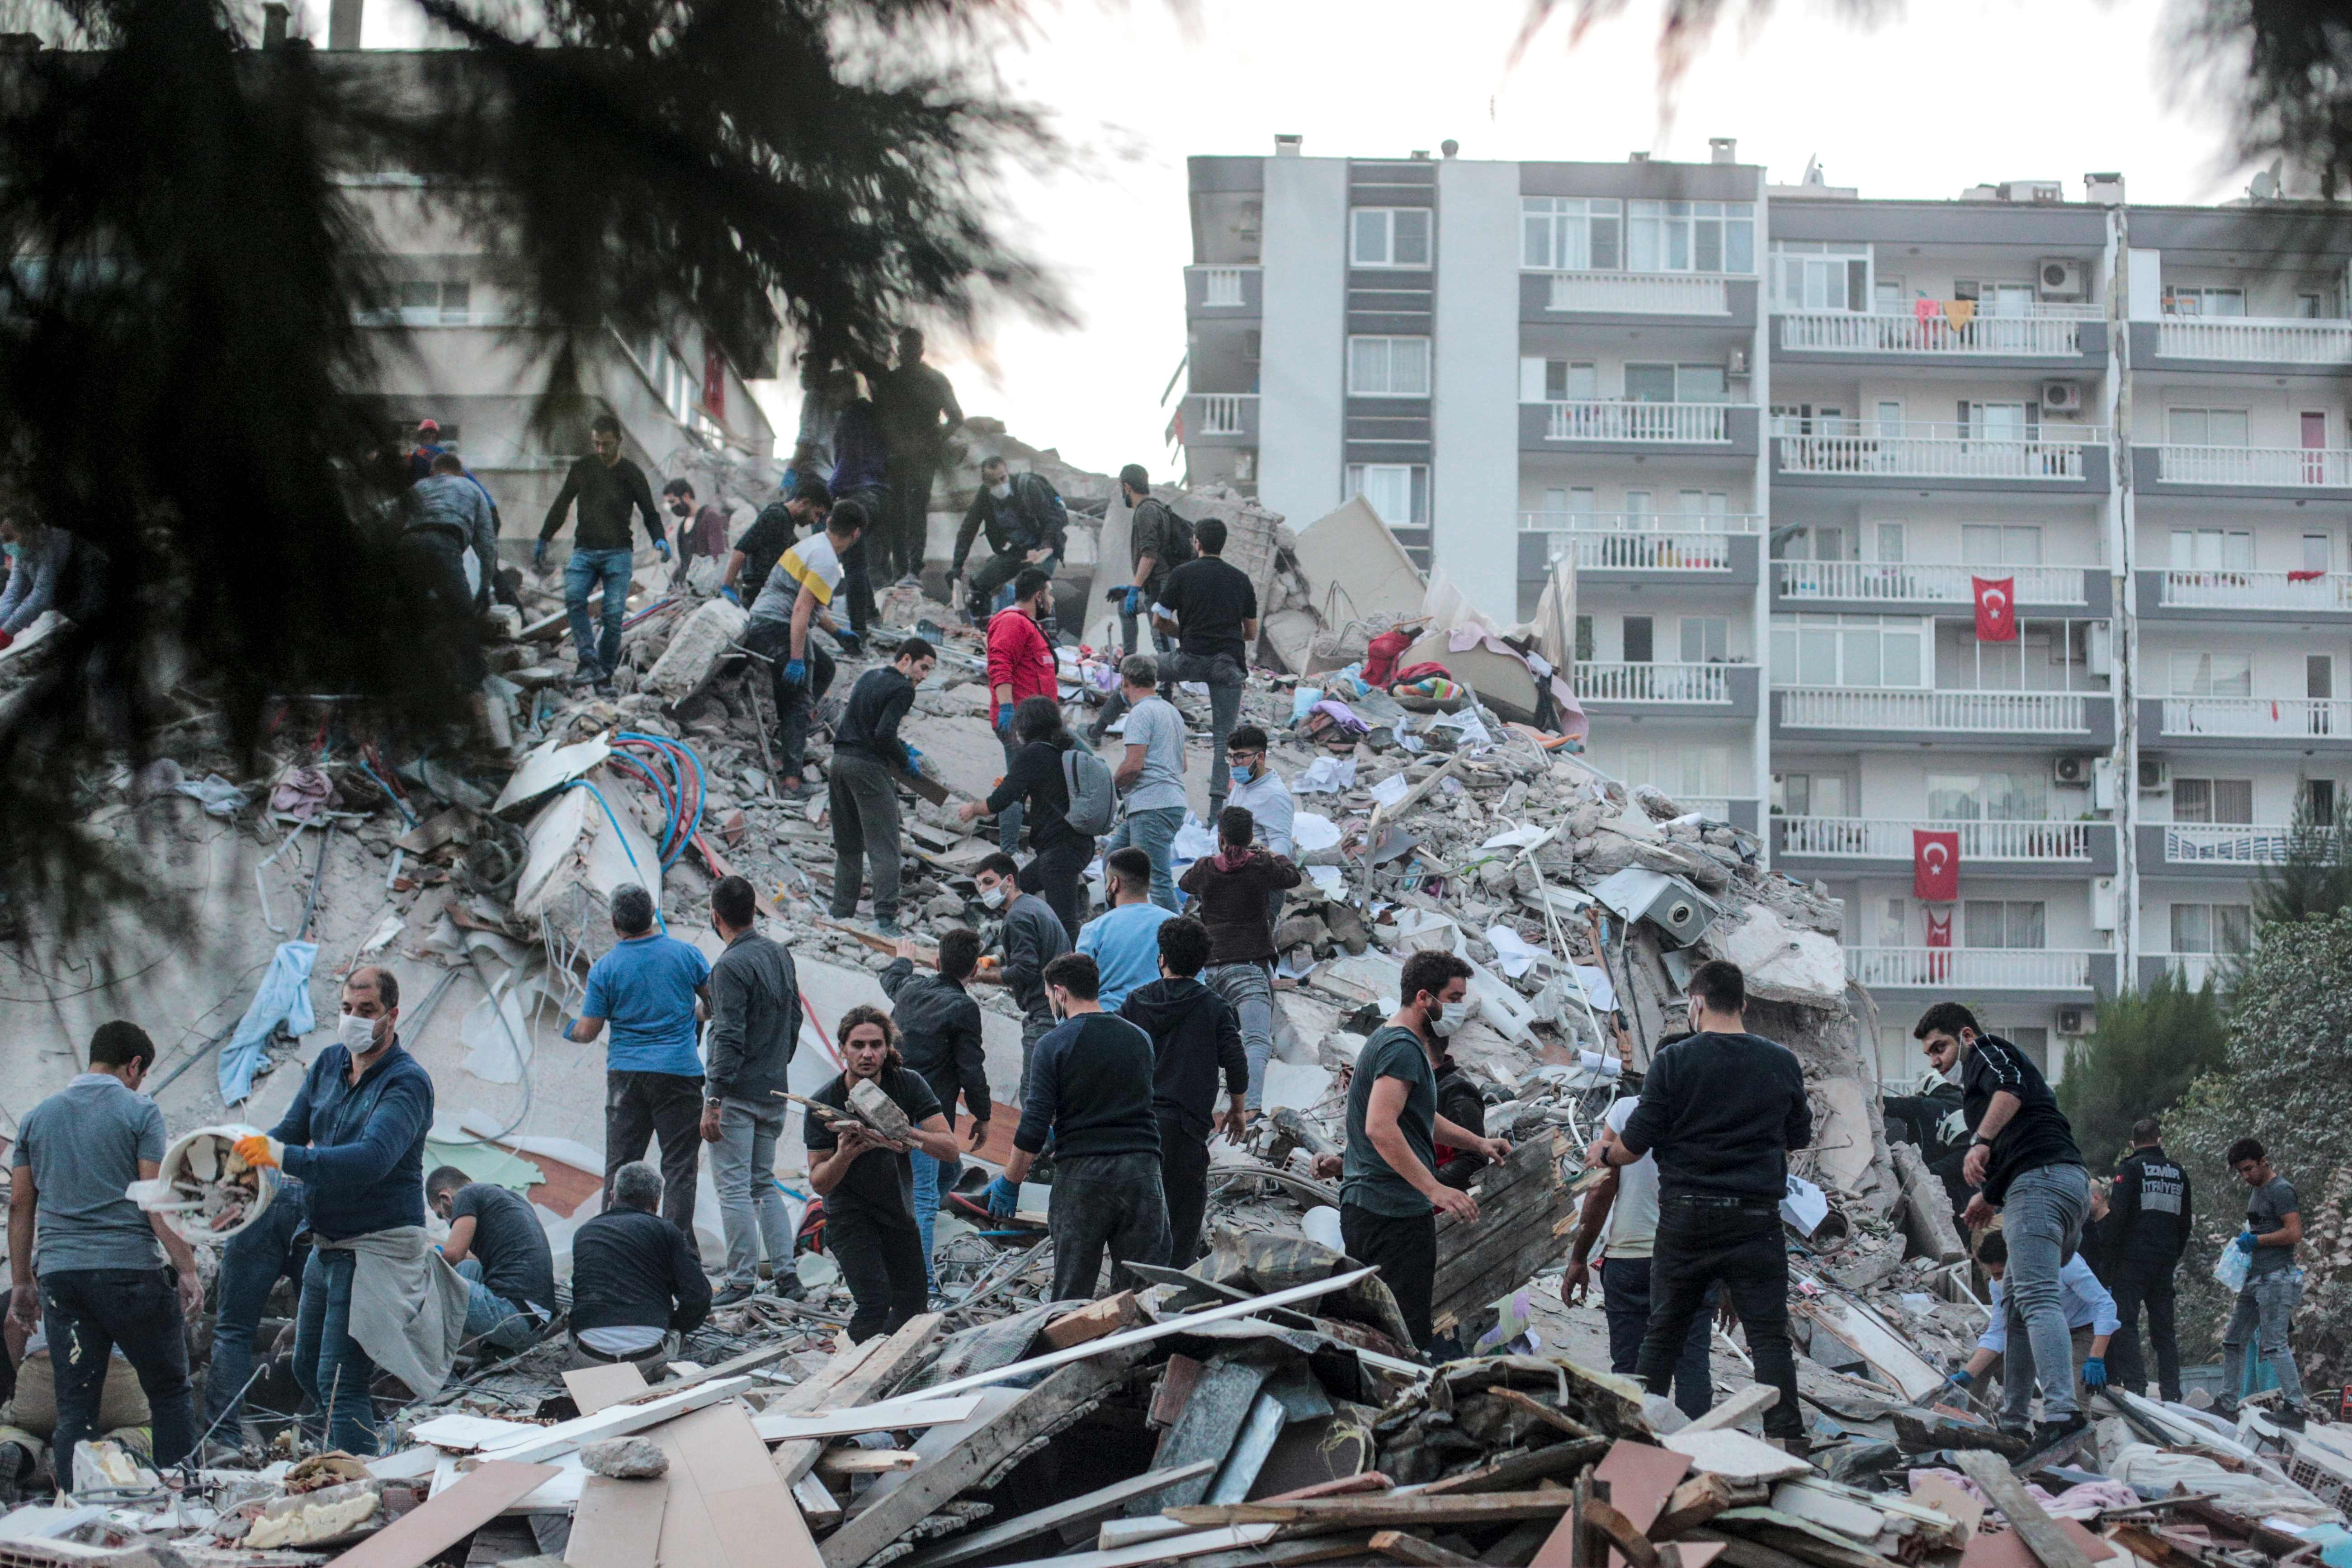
x,y
2267,1303
1152,775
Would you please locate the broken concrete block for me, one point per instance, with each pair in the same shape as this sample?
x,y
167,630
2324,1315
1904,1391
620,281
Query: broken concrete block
x,y
1784,963
694,648
625,1458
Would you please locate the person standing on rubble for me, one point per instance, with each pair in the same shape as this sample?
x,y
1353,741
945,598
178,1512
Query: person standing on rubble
x,y
1027,523
2267,1303
450,542
2091,1324
868,1183
770,534
919,412
1212,610
496,1243
1194,1035
1256,788
701,530
799,594
1058,869
2148,1214
1124,939
1090,1096
1031,935
276,1246
652,988
2023,1162
1151,773
609,488
1721,1110
1158,541
100,1257
862,788
1239,887
755,1022
1020,665
861,473
1389,1196
939,1036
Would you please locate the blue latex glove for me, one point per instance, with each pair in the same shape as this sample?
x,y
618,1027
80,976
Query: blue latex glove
x,y
1134,606
2245,1243
1961,1377
850,642
1004,717
2095,1373
539,555
1003,1197
914,758
730,595
661,548
796,672
565,1030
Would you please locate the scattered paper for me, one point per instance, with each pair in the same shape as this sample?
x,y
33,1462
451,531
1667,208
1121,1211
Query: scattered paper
x,y
1805,1206
1310,831
1325,775
1391,789
1513,951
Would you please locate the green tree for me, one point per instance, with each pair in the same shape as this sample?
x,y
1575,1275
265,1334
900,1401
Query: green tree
x,y
2315,877
2150,1045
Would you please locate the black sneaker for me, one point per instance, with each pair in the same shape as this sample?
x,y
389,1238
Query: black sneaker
x,y
788,1286
2051,1438
729,1295
2291,1417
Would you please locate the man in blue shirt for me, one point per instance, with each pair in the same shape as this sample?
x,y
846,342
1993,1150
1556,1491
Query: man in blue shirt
x,y
652,988
1124,939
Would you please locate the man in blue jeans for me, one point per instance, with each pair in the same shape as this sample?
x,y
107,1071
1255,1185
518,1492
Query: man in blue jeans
x,y
2267,1303
608,488
1150,775
496,1242
273,1248
2025,1165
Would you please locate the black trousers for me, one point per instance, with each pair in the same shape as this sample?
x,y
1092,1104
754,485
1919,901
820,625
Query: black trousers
x,y
994,573
857,574
2149,1284
88,1313
909,513
1105,1203
865,808
640,1106
1184,1181
1699,1245
1404,1249
1057,874
883,1266
795,705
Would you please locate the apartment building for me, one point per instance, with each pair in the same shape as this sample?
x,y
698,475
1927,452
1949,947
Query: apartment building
x,y
1784,432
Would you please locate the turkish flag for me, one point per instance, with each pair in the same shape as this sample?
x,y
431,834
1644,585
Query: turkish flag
x,y
1939,934
1995,608
1936,866
714,384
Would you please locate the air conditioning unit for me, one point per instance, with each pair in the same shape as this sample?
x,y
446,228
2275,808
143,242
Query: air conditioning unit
x,y
2073,770
2155,777
2060,277
2075,1020
2062,398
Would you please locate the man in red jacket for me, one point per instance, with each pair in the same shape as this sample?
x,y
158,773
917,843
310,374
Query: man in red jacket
x,y
1020,665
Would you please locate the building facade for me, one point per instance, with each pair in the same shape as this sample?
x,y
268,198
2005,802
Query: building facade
x,y
1786,433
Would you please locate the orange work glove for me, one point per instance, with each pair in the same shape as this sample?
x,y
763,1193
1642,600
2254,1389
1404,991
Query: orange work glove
x,y
259,1149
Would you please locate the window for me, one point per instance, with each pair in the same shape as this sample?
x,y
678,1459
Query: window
x,y
1890,542
2213,800
1809,795
1388,367
2180,301
1584,654
2316,553
2206,426
430,303
1996,298
1894,930
2213,550
1640,639
1818,275
1690,236
2002,922
1397,492
1389,237
1649,383
1888,298
1701,770
2319,675
1704,503
1988,796
2212,927
2318,799
1849,650
1676,383
2311,307
2000,544
1571,234
1707,639
1995,421
2212,675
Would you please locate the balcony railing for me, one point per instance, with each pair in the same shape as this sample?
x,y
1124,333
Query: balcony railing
x,y
1641,293
2255,716
1608,523
1674,683
1971,968
1873,839
1930,451
1645,542
2194,969
1903,582
2276,342
2045,334
2225,844
2256,590
1979,712
1222,285
1225,413
2283,466
1605,419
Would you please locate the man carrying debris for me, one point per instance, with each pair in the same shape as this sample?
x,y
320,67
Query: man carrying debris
x,y
799,594
862,789
1158,541
2148,1217
755,1021
2267,1303
770,534
2090,1323
636,1285
652,988
609,488
919,412
496,1242
2023,1162
939,1035
1151,773
865,1178
1032,935
1124,939
1239,887
1721,1109
1212,608
1388,1192
1038,780
1027,523
1090,1093
1020,665
1194,1035
101,1282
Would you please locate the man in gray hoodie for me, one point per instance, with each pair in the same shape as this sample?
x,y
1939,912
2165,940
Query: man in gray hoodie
x,y
755,1020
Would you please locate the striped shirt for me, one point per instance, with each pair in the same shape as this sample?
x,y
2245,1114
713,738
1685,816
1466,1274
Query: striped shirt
x,y
813,563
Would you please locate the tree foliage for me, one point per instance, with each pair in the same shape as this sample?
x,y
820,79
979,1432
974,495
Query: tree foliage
x,y
2149,1047
2315,877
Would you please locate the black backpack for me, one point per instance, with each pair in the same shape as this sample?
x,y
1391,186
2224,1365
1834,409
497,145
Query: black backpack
x,y
1176,539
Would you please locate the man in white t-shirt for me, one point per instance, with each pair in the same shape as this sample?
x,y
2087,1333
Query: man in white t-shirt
x,y
1622,1211
798,596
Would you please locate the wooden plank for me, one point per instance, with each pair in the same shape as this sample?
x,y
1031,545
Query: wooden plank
x,y
1165,1550
1626,1543
2039,1530
426,1531
1396,1545
733,1367
595,1387
840,1463
727,1507
1094,1320
1289,1553
1753,1400
1557,1419
875,1366
817,1502
1517,1471
1963,1506
1736,1456
1174,1387
890,1416
1698,1499
1074,1511
615,1421
617,1524
1379,1510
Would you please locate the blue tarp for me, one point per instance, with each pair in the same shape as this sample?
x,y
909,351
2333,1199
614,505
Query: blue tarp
x,y
284,998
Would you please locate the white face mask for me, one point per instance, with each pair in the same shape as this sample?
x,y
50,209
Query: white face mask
x,y
993,897
357,1034
1442,1024
1002,489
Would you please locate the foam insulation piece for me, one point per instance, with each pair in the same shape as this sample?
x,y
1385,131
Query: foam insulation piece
x,y
549,766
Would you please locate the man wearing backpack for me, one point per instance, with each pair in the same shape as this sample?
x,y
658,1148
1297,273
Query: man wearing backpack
x,y
1158,541
1026,521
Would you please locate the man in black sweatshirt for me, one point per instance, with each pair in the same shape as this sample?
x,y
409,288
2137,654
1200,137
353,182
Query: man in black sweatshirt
x,y
1090,1090
1031,937
864,797
2148,1218
940,1038
636,1285
608,487
1194,1033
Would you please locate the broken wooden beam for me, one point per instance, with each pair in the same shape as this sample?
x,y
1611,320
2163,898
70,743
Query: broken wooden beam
x,y
1378,1510
1399,1547
2034,1527
1074,1510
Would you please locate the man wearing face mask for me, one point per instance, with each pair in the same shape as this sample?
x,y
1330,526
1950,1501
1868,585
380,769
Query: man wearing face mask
x,y
1026,523
701,530
1032,936
354,1136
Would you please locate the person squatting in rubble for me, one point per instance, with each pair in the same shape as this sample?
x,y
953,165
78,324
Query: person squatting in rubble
x,y
354,1136
1027,523
2091,1324
1721,1110
87,1264
772,533
1150,775
1388,1192
862,793
28,1420
1019,666
1210,609
868,1185
2265,1307
1194,1037
939,1037
2022,1161
636,1286
755,1022
609,488
1158,541
1090,1093
48,569
800,594
1239,887
2148,1210
498,1244
1124,939
919,412
1057,870
1030,935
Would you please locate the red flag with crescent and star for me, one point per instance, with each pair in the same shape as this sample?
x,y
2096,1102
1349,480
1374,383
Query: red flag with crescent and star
x,y
1995,608
1934,864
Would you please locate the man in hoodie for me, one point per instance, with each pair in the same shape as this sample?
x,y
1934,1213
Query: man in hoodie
x,y
940,1040
1194,1035
1027,523
1030,936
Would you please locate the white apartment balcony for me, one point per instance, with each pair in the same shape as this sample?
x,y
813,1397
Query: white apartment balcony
x,y
2193,469
1618,423
2060,332
2248,341
1882,838
2307,723
1876,452
1642,546
1679,684
1979,970
1228,291
1865,583
2079,718
1641,293
2226,595
2227,848
1220,418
